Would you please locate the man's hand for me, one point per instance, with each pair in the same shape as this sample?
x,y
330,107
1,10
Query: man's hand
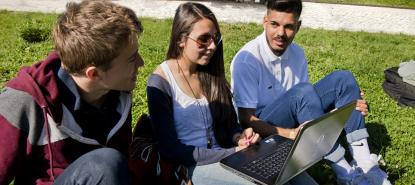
x,y
246,138
362,105
290,133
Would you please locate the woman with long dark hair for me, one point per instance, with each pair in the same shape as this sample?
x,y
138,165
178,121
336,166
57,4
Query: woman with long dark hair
x,y
190,102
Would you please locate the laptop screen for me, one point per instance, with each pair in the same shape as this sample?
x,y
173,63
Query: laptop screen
x,y
315,140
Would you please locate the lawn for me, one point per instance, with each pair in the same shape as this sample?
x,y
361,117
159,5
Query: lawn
x,y
387,3
391,127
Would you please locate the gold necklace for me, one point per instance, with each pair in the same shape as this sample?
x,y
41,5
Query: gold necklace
x,y
203,113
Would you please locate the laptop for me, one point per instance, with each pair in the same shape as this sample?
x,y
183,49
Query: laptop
x,y
276,159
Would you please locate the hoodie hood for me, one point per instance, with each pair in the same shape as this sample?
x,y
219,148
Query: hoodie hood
x,y
40,82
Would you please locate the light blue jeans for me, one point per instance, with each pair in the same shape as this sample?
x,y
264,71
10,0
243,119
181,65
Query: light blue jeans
x,y
216,174
306,102
105,166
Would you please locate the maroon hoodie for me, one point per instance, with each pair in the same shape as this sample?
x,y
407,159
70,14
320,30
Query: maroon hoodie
x,y
39,136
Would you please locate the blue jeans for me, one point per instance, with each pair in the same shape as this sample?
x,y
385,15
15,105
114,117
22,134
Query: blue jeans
x,y
305,102
215,174
105,166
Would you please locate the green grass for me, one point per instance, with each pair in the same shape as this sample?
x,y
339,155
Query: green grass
x,y
388,3
391,127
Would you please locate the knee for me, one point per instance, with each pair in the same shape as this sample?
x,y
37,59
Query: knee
x,y
342,74
303,90
346,79
100,166
305,93
106,161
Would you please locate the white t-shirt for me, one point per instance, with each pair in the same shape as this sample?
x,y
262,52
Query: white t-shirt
x,y
259,77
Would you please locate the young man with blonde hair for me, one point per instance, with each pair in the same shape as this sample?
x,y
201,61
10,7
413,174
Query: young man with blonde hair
x,y
67,119
274,96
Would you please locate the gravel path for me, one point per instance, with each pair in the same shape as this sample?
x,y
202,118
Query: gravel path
x,y
315,15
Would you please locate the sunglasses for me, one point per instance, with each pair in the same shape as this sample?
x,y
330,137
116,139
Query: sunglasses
x,y
204,41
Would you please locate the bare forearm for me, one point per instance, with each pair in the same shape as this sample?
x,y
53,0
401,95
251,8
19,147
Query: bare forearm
x,y
262,128
248,119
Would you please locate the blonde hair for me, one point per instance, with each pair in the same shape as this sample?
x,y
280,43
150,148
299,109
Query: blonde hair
x,y
92,33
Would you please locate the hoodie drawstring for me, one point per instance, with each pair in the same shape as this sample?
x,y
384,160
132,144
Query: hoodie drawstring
x,y
44,108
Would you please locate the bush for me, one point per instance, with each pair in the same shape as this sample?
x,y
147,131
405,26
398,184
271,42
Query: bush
x,y
35,31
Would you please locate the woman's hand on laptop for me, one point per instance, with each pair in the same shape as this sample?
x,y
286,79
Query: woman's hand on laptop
x,y
247,138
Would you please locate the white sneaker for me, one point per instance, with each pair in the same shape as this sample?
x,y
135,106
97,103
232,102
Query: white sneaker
x,y
356,177
374,174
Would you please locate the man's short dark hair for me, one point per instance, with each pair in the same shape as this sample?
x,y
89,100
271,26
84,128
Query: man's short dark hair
x,y
292,6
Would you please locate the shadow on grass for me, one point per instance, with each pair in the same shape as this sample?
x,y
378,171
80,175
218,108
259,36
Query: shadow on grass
x,y
379,139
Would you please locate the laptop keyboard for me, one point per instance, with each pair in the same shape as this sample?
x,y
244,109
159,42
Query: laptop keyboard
x,y
269,165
